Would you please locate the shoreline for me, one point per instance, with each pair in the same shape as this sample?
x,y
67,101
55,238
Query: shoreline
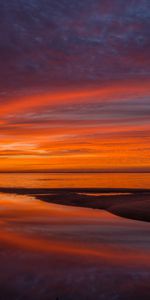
x,y
129,203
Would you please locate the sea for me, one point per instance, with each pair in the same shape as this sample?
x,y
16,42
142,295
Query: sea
x,y
75,180
56,252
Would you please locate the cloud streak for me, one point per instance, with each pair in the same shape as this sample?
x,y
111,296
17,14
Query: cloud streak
x,y
74,88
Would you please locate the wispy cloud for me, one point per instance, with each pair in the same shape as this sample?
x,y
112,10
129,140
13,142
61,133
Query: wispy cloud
x,y
75,83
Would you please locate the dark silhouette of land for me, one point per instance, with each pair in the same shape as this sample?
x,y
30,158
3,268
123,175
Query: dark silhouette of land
x,y
128,203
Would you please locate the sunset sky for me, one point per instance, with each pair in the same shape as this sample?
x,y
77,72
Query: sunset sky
x,y
75,85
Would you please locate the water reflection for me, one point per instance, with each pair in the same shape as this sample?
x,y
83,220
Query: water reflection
x,y
50,250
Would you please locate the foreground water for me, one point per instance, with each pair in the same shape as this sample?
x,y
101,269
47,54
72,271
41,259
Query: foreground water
x,y
49,251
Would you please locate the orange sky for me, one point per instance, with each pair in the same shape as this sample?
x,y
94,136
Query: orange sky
x,y
75,85
94,128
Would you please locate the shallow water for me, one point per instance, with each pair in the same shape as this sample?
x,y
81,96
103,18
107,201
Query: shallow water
x,y
49,251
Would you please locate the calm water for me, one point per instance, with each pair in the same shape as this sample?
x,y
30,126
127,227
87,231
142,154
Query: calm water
x,y
49,250
113,180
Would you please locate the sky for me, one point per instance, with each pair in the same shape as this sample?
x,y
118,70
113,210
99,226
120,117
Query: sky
x,y
75,85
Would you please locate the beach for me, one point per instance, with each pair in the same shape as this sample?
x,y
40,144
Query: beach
x,y
74,150
128,203
50,250
62,240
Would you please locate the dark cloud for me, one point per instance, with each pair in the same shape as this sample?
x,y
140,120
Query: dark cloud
x,y
52,42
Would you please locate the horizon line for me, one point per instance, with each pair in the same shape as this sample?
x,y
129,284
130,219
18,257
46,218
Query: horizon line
x,y
74,171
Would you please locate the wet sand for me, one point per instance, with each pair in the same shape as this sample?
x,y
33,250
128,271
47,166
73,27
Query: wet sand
x,y
128,203
49,250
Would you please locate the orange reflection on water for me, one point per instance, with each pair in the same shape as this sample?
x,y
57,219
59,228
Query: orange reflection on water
x,y
57,230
